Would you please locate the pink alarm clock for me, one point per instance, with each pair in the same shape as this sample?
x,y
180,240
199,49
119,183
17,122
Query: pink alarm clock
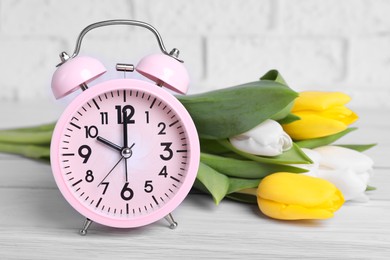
x,y
125,152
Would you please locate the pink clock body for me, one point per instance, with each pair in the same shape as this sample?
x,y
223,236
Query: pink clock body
x,y
125,183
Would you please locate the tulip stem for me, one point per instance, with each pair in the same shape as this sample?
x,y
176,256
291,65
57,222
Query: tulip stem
x,y
36,135
24,137
29,151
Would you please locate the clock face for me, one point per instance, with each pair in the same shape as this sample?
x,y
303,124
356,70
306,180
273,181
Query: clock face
x,y
125,153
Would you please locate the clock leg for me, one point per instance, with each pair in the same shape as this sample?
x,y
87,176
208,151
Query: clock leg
x,y
171,221
86,225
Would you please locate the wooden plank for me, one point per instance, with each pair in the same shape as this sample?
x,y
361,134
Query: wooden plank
x,y
18,172
41,226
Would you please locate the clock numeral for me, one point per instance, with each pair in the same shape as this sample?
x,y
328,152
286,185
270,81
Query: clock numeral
x,y
104,118
163,172
162,127
125,114
126,192
91,131
169,155
148,188
89,176
147,116
85,152
105,186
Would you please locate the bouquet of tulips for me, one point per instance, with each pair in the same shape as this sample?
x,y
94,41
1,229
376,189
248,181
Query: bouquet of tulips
x,y
263,143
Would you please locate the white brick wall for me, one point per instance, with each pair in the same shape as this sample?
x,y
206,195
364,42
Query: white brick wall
x,y
326,45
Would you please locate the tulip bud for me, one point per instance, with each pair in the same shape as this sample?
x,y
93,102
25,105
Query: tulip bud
x,y
348,169
321,114
266,139
291,196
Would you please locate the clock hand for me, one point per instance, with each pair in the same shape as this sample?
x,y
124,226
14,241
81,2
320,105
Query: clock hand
x,y
127,177
111,170
127,153
125,142
108,143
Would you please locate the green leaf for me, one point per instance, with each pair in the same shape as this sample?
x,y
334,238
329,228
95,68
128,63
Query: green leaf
x,y
357,147
293,156
285,112
274,75
240,197
231,111
322,141
237,184
213,182
370,188
212,146
245,168
288,119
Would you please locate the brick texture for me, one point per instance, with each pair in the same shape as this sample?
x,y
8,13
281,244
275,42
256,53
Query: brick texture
x,y
300,60
334,17
315,44
27,69
207,17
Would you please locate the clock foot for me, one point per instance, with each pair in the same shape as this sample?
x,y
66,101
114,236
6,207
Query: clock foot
x,y
171,221
86,225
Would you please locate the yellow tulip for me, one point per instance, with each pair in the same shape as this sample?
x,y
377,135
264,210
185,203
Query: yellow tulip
x,y
321,114
291,196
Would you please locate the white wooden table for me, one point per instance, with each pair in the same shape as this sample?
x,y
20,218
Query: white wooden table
x,y
37,223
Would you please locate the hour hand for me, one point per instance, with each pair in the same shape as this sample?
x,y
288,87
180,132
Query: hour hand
x,y
108,143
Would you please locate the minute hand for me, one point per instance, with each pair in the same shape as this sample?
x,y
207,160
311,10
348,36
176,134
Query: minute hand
x,y
125,142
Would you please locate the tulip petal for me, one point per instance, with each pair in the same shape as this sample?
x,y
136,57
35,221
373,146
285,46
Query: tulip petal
x,y
291,212
266,139
346,181
348,169
294,196
318,100
321,114
292,156
313,126
340,113
336,157
296,189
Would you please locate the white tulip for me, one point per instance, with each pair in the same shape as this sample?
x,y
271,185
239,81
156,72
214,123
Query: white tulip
x,y
266,139
347,169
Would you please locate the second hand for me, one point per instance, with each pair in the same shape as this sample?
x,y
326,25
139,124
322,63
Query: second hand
x,y
111,170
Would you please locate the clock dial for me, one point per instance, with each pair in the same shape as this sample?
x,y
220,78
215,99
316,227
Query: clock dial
x,y
124,154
